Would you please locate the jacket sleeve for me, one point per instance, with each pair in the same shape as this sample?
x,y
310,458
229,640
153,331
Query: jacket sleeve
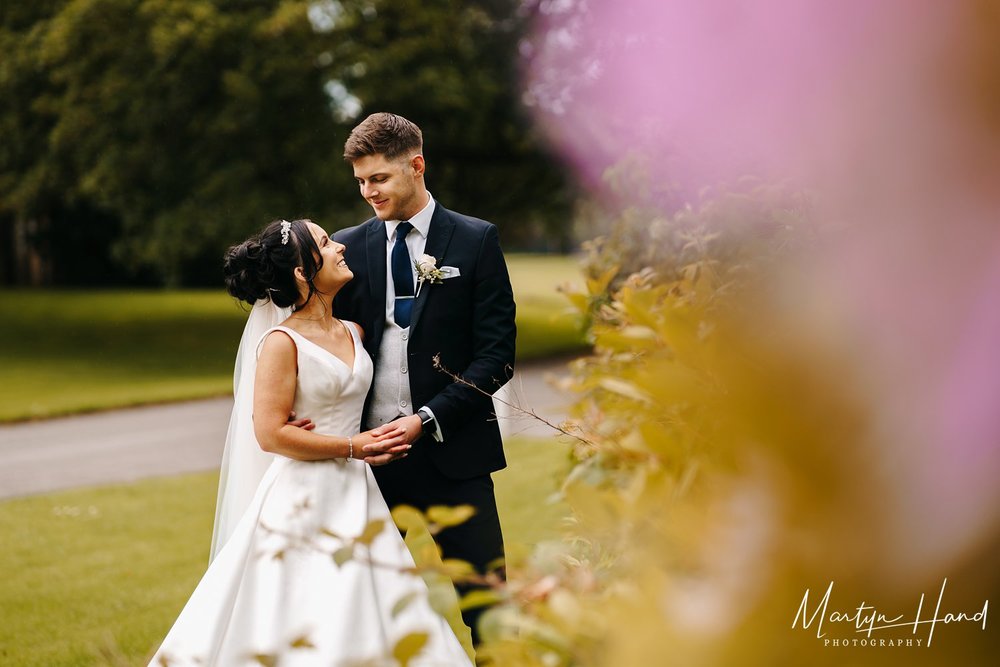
x,y
493,333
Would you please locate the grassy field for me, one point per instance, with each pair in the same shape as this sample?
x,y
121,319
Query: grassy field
x,y
545,324
110,568
72,351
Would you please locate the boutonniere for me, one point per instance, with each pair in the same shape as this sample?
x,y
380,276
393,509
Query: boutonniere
x,y
427,271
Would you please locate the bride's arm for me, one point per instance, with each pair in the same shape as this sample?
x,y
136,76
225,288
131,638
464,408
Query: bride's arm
x,y
274,394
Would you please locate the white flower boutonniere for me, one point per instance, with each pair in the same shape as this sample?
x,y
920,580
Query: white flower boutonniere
x,y
427,271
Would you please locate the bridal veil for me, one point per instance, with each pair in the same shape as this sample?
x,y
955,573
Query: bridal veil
x,y
243,461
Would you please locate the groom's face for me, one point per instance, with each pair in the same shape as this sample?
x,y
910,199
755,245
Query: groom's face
x,y
394,188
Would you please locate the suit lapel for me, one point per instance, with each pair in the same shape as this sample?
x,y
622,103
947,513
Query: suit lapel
x,y
375,255
438,237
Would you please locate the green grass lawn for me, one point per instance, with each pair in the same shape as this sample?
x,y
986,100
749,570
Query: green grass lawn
x,y
72,351
546,326
111,567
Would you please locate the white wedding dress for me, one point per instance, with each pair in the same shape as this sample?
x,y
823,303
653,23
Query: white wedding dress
x,y
274,588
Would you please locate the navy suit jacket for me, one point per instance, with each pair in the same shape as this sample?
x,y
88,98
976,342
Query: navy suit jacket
x,y
466,321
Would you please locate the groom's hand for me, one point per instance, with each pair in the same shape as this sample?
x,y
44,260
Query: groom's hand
x,y
392,440
381,445
411,427
306,424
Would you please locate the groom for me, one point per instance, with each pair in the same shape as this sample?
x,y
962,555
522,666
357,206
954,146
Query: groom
x,y
463,315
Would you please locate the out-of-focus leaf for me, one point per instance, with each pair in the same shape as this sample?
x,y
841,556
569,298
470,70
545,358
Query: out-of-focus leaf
x,y
409,646
480,597
624,388
456,569
404,602
599,284
371,531
634,441
446,517
343,554
408,518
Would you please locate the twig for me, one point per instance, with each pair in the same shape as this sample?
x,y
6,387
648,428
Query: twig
x,y
531,413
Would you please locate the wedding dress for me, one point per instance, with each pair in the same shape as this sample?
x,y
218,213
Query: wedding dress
x,y
274,589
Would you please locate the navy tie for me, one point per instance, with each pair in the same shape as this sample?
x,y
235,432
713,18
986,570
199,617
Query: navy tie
x,y
402,276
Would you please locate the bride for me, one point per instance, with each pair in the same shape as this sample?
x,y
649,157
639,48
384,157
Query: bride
x,y
274,593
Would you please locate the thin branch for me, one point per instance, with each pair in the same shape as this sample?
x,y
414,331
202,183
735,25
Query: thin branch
x,y
524,411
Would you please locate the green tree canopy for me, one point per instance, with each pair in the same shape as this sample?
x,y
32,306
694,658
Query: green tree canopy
x,y
180,126
453,68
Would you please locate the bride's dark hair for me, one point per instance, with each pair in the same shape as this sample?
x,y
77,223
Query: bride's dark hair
x,y
263,267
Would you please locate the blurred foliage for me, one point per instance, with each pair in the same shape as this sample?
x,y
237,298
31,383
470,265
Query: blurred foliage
x,y
724,242
728,232
723,466
171,129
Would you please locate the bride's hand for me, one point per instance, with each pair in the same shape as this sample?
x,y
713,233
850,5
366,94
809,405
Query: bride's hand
x,y
380,446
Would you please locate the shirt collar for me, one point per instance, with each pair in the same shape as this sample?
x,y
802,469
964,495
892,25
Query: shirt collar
x,y
421,221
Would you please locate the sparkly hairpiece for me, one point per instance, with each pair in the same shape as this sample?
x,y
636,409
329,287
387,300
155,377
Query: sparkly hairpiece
x,y
285,229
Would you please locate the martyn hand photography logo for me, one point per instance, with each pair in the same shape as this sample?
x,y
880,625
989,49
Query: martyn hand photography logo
x,y
867,620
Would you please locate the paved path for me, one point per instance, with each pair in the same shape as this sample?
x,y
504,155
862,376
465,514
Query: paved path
x,y
135,443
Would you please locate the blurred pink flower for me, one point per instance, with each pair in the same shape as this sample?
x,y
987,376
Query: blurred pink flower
x,y
710,90
868,104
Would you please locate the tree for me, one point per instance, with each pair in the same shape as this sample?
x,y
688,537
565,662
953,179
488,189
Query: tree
x,y
169,129
28,181
452,67
194,121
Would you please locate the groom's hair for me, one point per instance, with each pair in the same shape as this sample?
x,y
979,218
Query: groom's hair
x,y
383,134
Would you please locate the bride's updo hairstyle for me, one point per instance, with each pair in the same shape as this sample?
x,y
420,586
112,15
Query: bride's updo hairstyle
x,y
263,266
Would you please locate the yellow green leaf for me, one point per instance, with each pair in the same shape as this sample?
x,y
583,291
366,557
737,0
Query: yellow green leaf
x,y
480,597
408,647
407,518
456,569
343,554
450,516
404,602
371,531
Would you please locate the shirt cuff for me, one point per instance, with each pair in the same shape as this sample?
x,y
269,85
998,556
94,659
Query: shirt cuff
x,y
436,433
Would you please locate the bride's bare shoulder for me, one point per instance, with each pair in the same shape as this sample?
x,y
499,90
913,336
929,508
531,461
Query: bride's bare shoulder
x,y
277,345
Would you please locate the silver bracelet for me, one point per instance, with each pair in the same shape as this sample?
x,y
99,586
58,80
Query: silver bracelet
x,y
350,448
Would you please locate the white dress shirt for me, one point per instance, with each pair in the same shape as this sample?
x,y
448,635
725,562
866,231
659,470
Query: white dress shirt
x,y
416,242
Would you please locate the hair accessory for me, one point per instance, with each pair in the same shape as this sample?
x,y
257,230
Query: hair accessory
x,y
285,229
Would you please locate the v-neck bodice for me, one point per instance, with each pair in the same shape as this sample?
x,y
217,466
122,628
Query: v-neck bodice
x,y
328,391
352,332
